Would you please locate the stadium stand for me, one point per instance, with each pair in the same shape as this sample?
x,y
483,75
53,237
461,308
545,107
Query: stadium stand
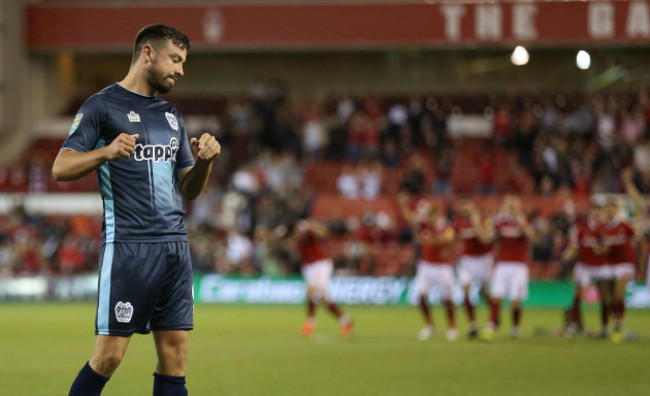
x,y
555,149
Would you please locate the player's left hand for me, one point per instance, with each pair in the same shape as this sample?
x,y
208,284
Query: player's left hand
x,y
205,148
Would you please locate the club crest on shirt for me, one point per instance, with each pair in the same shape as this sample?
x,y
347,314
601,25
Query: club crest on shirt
x,y
171,119
123,311
75,123
133,116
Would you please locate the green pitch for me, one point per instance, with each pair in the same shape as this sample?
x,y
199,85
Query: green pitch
x,y
256,350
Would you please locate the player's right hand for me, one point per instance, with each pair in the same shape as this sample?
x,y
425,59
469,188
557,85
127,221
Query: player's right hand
x,y
122,146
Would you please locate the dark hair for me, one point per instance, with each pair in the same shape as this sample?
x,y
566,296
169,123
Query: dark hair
x,y
155,34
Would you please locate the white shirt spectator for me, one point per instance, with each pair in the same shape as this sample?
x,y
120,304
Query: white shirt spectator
x,y
245,181
370,183
398,115
240,248
314,136
345,109
348,184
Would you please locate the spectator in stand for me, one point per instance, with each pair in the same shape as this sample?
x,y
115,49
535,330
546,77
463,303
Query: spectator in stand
x,y
356,136
390,155
264,259
632,125
345,108
581,178
6,259
280,170
443,163
551,117
582,119
438,138
38,175
375,227
71,257
501,126
348,183
606,123
486,180
239,252
370,174
414,180
415,113
398,117
525,132
18,179
520,181
313,134
286,131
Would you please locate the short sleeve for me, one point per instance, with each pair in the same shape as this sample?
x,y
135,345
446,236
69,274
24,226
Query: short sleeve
x,y
184,157
87,125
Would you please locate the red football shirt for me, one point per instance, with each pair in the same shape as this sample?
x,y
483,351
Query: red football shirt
x,y
514,244
435,253
472,245
312,248
618,236
586,236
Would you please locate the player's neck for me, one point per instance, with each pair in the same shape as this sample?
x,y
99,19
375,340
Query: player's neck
x,y
137,84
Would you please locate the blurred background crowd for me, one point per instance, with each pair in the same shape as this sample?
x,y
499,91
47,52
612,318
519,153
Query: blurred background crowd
x,y
285,160
331,118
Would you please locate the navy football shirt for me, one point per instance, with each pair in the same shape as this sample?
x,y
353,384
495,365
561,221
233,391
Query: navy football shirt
x,y
140,193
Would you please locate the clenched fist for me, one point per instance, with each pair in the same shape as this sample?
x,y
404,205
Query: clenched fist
x,y
122,146
206,147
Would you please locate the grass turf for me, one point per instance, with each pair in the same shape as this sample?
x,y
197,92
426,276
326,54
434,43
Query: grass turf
x,y
256,350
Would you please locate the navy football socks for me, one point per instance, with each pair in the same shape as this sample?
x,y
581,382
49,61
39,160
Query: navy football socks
x,y
88,383
166,385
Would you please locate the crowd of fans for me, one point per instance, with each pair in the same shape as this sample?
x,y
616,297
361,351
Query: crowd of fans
x,y
56,245
557,142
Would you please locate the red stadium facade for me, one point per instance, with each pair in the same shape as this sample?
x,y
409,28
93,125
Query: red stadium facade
x,y
352,26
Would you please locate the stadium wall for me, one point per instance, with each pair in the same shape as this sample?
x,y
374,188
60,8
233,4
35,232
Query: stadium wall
x,y
15,110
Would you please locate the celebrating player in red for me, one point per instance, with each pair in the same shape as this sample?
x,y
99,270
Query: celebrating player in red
x,y
641,216
510,277
317,268
585,245
475,262
435,237
619,238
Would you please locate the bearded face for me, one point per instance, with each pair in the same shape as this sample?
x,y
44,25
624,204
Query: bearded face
x,y
166,67
161,80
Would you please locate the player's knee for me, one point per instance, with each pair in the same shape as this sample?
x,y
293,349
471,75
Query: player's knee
x,y
107,362
172,361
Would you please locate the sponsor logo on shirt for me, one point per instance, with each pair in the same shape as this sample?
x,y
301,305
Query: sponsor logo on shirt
x,y
133,116
156,152
123,312
75,123
171,119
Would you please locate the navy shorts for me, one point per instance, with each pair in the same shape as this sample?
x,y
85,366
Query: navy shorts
x,y
144,286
